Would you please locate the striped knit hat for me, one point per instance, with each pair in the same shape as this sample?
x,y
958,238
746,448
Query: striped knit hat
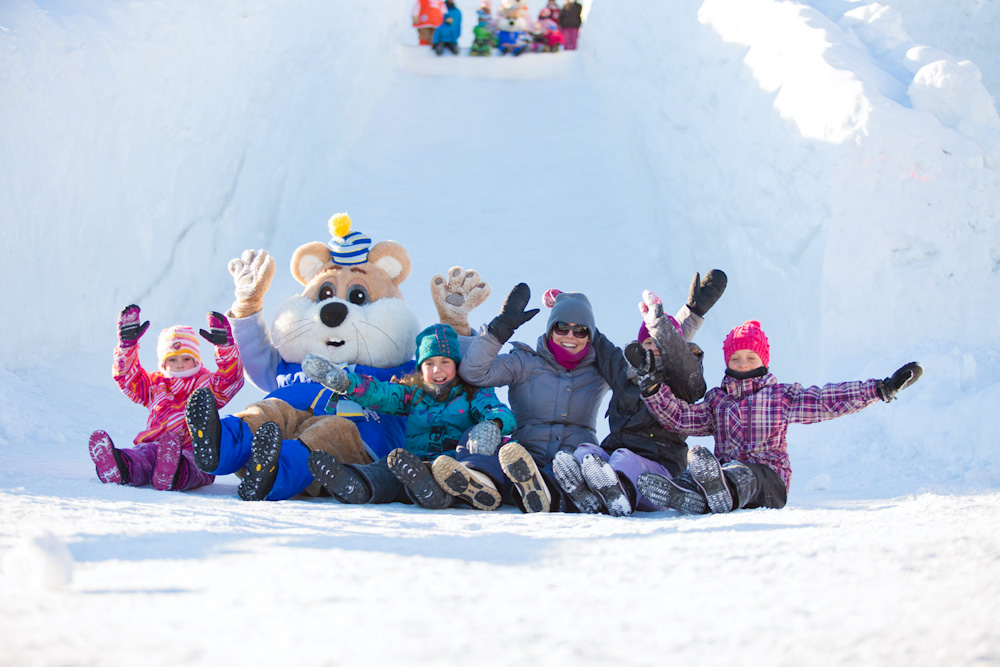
x,y
347,247
748,336
176,341
437,340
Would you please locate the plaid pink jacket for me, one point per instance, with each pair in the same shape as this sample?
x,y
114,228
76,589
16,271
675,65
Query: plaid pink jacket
x,y
749,418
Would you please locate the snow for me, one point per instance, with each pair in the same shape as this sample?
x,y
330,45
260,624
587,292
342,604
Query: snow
x,y
840,160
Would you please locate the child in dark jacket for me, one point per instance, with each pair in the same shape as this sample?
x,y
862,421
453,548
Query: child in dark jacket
x,y
444,416
749,417
162,454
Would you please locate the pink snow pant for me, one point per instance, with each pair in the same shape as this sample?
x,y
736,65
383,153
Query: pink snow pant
x,y
629,465
570,35
141,459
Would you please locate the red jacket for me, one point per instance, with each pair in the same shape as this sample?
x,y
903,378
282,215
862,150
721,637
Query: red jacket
x,y
428,13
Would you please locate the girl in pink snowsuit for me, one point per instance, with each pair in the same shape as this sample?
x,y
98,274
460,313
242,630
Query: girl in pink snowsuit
x,y
749,417
163,453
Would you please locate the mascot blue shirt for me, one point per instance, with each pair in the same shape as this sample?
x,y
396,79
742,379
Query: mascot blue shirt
x,y
382,433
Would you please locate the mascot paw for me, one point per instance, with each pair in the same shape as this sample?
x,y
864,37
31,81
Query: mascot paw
x,y
252,274
458,294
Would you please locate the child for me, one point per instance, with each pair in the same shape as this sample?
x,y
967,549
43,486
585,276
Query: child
x,y
446,35
444,416
163,453
749,417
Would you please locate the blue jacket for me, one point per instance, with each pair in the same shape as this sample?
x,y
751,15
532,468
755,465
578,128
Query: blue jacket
x,y
449,32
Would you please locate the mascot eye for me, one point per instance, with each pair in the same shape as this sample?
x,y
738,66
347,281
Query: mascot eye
x,y
357,294
326,291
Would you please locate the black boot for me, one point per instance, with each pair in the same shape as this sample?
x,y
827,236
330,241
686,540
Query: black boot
x,y
202,416
742,482
707,474
262,469
341,481
418,480
679,493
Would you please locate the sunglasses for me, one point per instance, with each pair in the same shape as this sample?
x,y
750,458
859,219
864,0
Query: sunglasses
x,y
578,330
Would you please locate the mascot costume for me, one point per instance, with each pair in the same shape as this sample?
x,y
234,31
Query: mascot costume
x,y
352,313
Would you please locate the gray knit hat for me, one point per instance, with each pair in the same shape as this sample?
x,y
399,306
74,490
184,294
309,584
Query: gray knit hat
x,y
569,307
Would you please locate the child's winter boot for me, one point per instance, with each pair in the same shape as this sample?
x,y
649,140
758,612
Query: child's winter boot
x,y
569,477
167,465
202,416
742,482
529,485
343,482
679,493
470,485
414,475
603,480
262,468
707,474
111,464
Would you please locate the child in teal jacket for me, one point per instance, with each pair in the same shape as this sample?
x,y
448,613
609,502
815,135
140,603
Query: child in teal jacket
x,y
443,412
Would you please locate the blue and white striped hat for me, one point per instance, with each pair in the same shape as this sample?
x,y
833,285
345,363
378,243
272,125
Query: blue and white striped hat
x,y
347,247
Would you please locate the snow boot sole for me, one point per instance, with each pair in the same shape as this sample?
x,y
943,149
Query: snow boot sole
x,y
418,480
202,416
667,493
111,468
343,483
521,469
458,481
569,477
262,468
707,474
603,480
167,465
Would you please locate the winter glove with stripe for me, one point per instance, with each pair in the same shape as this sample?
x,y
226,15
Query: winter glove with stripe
x,y
129,329
219,333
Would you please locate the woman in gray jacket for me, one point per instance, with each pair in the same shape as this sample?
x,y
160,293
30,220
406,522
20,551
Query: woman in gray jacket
x,y
554,389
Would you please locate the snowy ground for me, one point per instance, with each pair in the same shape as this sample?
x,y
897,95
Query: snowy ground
x,y
838,159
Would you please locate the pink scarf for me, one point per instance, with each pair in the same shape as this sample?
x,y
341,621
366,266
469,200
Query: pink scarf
x,y
564,357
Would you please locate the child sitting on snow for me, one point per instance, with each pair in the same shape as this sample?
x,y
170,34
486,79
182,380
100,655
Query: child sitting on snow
x,y
446,35
445,415
749,417
162,453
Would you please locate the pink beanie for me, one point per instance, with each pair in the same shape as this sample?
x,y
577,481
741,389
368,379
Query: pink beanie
x,y
747,336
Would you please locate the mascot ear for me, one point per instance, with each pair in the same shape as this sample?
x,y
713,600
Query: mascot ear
x,y
391,258
310,259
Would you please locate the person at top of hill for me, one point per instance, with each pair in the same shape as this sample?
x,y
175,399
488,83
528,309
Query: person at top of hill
x,y
550,10
163,452
748,415
446,35
604,478
445,415
570,21
427,16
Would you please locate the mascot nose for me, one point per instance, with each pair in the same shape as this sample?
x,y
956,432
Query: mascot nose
x,y
333,314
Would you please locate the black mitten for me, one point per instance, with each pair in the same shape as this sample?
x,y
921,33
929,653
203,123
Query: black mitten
x,y
129,329
705,292
512,315
644,363
901,379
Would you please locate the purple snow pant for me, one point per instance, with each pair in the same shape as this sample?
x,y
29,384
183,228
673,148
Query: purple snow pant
x,y
141,459
570,36
629,465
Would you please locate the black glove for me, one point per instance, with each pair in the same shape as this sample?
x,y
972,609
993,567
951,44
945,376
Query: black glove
x,y
219,333
901,379
704,293
512,315
129,329
644,363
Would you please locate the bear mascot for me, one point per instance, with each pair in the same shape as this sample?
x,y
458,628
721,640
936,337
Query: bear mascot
x,y
351,312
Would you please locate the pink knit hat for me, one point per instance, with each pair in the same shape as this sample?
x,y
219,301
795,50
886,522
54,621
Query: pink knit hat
x,y
176,341
747,336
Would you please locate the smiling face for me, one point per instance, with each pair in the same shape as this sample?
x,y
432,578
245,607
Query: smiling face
x,y
179,363
744,361
438,370
568,340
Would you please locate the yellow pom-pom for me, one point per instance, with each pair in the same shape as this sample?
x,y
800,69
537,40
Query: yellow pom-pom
x,y
340,225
